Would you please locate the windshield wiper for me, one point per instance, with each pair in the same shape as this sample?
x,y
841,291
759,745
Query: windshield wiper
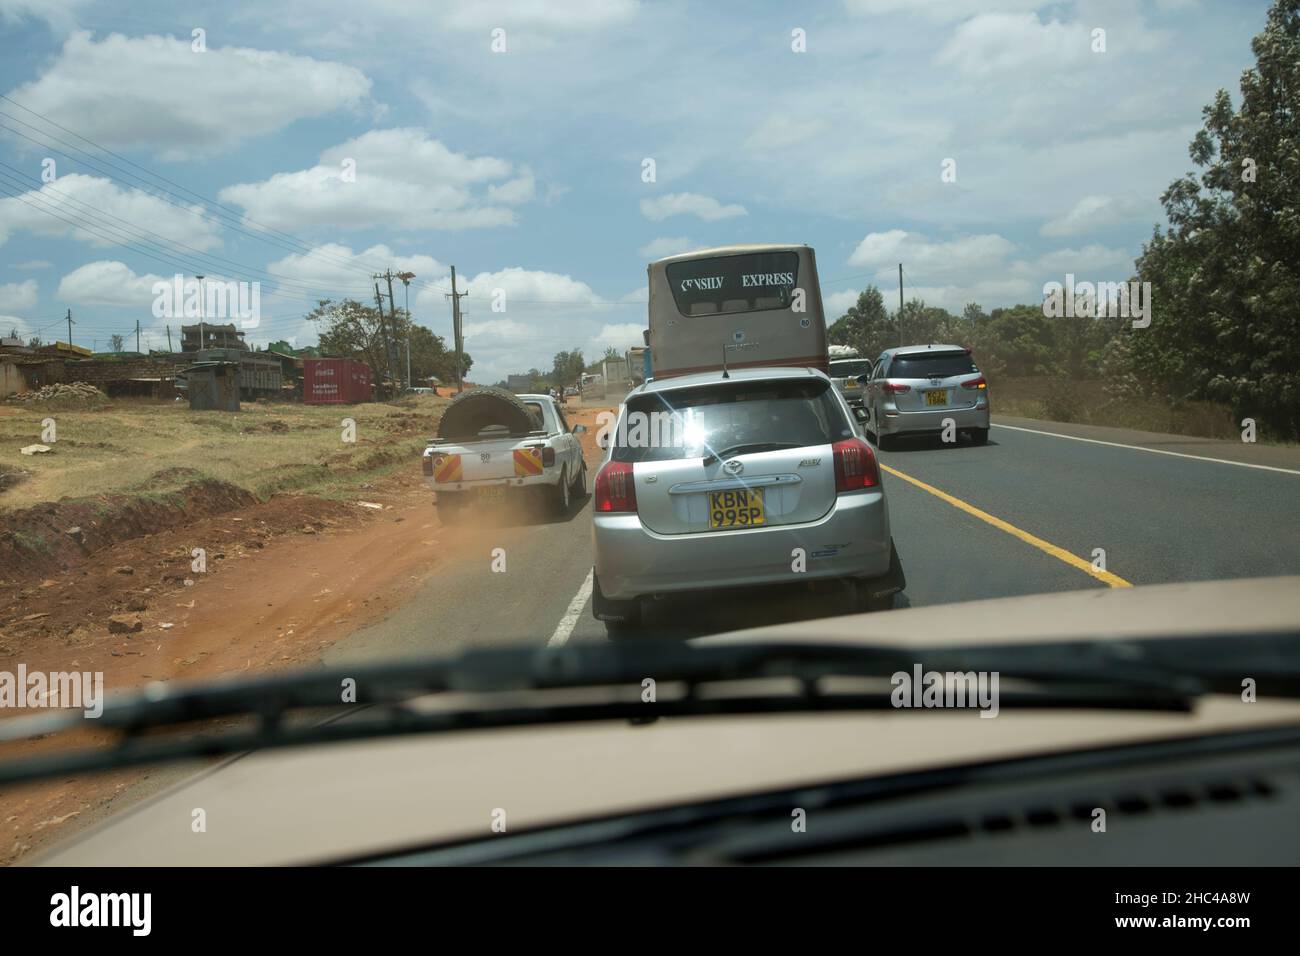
x,y
508,687
748,448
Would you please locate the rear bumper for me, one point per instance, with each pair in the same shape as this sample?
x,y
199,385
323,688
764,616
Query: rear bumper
x,y
550,477
851,540
895,422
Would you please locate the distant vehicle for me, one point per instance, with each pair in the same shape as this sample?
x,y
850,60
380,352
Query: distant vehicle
x,y
420,390
519,383
494,444
753,466
846,366
747,306
912,390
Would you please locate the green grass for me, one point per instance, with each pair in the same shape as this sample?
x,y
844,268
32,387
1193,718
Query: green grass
x,y
31,542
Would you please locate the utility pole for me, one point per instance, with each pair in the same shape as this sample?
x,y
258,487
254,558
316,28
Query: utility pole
x,y
900,304
455,328
406,278
137,336
383,330
70,324
169,337
392,321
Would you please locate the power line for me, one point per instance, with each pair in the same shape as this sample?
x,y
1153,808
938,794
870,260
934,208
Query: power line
x,y
236,218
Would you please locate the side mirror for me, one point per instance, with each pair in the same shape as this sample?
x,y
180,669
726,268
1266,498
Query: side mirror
x,y
860,413
863,379
579,429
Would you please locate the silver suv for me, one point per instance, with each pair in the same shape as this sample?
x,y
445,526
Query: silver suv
x,y
915,389
716,481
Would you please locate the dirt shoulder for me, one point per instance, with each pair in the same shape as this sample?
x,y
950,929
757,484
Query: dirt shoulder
x,y
285,579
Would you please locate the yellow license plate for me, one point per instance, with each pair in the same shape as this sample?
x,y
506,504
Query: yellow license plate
x,y
937,397
736,509
491,493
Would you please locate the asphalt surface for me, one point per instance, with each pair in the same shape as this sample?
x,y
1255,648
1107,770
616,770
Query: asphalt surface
x,y
1020,515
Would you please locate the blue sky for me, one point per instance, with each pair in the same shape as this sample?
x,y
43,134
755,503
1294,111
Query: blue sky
x,y
523,166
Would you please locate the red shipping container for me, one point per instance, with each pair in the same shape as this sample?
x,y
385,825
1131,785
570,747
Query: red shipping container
x,y
335,381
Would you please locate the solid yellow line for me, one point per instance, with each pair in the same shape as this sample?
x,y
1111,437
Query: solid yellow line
x,y
1114,580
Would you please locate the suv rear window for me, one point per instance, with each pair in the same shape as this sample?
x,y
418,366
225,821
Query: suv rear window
x,y
694,422
936,365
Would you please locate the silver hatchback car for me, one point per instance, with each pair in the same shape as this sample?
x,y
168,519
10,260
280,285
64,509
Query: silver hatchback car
x,y
917,389
753,478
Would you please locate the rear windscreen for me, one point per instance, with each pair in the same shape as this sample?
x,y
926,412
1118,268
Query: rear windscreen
x,y
939,365
850,369
745,283
692,423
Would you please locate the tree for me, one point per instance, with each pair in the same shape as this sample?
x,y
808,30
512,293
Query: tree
x,y
567,368
115,342
865,326
1225,276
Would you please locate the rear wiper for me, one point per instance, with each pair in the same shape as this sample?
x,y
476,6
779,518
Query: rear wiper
x,y
748,448
521,686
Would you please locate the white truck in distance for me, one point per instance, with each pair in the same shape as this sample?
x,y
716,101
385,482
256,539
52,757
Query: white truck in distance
x,y
493,445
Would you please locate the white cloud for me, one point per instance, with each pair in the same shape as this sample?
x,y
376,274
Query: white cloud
x,y
1015,43
154,91
837,303
109,283
530,290
390,179
59,14
534,15
1091,258
334,266
91,209
666,246
621,336
1092,213
689,204
884,250
939,11
20,328
18,295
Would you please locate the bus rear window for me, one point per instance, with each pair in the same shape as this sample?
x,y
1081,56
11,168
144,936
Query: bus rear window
x,y
725,284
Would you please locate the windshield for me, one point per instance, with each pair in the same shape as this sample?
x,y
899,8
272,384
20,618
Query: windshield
x,y
389,336
850,369
740,283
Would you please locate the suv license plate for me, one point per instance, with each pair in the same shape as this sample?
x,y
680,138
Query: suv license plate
x,y
937,397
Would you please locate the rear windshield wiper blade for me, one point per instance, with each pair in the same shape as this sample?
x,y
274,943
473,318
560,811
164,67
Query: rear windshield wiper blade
x,y
748,448
519,686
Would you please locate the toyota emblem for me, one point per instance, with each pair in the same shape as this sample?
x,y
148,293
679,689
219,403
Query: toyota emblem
x,y
734,467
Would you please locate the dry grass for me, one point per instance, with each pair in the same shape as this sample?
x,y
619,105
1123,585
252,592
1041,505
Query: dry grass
x,y
136,446
1086,403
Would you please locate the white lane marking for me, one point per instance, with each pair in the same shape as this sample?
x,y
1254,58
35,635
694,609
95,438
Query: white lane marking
x,y
1154,451
570,619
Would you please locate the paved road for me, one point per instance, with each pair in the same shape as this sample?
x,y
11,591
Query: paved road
x,y
1020,515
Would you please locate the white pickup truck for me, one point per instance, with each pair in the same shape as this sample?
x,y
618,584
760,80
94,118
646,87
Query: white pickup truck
x,y
493,444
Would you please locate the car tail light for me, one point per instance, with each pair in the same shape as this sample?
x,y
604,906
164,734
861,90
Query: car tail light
x,y
895,387
428,465
548,457
615,488
445,467
975,383
855,465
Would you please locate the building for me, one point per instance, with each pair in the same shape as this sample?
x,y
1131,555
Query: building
x,y
213,337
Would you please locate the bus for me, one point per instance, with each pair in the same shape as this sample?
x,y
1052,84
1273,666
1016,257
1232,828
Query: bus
x,y
736,307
